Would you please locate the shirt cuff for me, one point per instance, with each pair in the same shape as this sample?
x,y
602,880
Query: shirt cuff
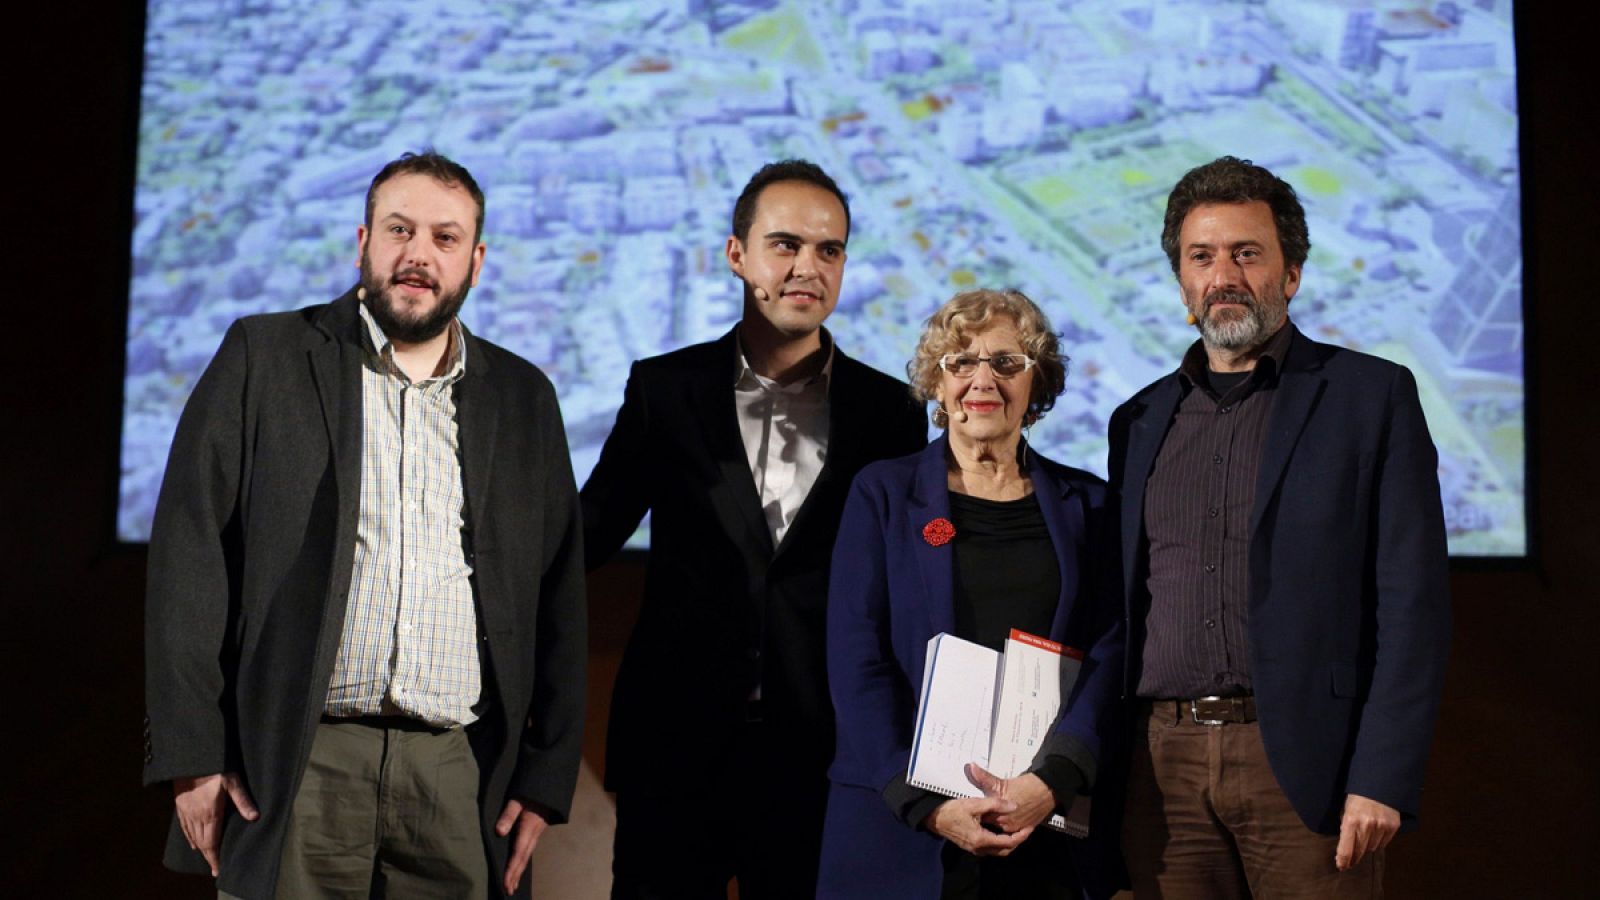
x,y
1072,749
908,804
1062,777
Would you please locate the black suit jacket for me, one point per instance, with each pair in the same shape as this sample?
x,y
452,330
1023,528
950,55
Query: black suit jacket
x,y
1349,577
251,557
723,608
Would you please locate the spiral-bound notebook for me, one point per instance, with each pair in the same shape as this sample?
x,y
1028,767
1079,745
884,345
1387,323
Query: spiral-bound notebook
x,y
994,709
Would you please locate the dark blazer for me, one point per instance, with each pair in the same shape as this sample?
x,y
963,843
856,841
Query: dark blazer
x,y
1349,581
723,608
891,592
251,557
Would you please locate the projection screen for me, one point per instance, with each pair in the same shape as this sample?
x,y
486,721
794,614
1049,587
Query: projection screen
x,y
1023,144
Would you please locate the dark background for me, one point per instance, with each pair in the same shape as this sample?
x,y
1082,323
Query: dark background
x,y
1512,800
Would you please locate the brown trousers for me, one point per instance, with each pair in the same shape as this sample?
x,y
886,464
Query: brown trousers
x,y
387,808
1206,819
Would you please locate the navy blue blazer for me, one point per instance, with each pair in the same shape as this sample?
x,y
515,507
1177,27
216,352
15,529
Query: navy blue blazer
x,y
1349,578
890,592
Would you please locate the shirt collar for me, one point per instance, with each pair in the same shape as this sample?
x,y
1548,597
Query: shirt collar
x,y
1192,370
379,344
748,379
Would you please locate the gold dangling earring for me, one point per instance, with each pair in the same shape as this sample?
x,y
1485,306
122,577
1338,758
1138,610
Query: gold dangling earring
x,y
941,419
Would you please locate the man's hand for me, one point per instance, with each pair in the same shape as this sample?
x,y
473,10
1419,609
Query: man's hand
x,y
1033,801
202,805
1366,827
961,823
529,825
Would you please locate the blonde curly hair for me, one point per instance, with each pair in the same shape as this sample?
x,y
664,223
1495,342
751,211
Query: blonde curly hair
x,y
951,328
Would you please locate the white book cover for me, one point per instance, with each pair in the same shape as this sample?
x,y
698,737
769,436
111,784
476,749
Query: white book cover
x,y
993,709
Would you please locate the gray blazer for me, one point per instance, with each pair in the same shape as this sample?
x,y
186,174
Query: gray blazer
x,y
250,562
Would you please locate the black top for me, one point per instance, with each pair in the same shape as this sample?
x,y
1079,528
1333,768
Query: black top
x,y
1223,383
1006,574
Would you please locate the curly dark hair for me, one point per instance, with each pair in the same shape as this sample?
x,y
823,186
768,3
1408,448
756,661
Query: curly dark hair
x,y
1229,179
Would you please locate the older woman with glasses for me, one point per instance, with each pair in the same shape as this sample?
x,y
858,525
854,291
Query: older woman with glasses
x,y
974,536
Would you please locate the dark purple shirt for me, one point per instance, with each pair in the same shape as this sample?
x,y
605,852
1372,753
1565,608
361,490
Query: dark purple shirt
x,y
1197,506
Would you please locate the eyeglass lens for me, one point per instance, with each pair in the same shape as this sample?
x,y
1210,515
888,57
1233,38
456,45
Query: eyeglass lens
x,y
1004,365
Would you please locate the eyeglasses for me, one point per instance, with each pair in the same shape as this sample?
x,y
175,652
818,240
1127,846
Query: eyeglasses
x,y
1003,365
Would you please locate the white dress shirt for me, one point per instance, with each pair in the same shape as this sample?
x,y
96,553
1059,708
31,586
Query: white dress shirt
x,y
785,431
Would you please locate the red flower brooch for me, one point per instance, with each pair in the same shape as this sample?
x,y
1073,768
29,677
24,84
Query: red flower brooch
x,y
938,532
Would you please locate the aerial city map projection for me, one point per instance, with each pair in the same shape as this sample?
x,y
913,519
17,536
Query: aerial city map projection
x,y
1026,144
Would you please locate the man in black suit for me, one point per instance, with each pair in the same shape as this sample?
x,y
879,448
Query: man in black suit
x,y
742,449
365,607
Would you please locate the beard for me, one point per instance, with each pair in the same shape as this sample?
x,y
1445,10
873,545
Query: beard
x,y
396,318
1242,330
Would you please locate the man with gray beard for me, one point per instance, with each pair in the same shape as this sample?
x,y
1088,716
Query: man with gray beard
x,y
1285,576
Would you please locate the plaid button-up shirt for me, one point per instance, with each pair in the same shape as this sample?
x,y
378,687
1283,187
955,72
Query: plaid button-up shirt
x,y
410,640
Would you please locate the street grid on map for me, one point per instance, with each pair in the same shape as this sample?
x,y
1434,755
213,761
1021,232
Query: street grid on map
x,y
1026,144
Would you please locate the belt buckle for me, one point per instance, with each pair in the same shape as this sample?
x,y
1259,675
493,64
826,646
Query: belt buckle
x,y
1194,711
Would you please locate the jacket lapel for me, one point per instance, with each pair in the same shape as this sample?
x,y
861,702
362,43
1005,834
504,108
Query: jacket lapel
x,y
1063,518
336,373
1146,429
1292,402
930,499
477,421
477,424
733,495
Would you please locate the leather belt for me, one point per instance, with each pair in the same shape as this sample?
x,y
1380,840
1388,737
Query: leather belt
x,y
1206,710
388,723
